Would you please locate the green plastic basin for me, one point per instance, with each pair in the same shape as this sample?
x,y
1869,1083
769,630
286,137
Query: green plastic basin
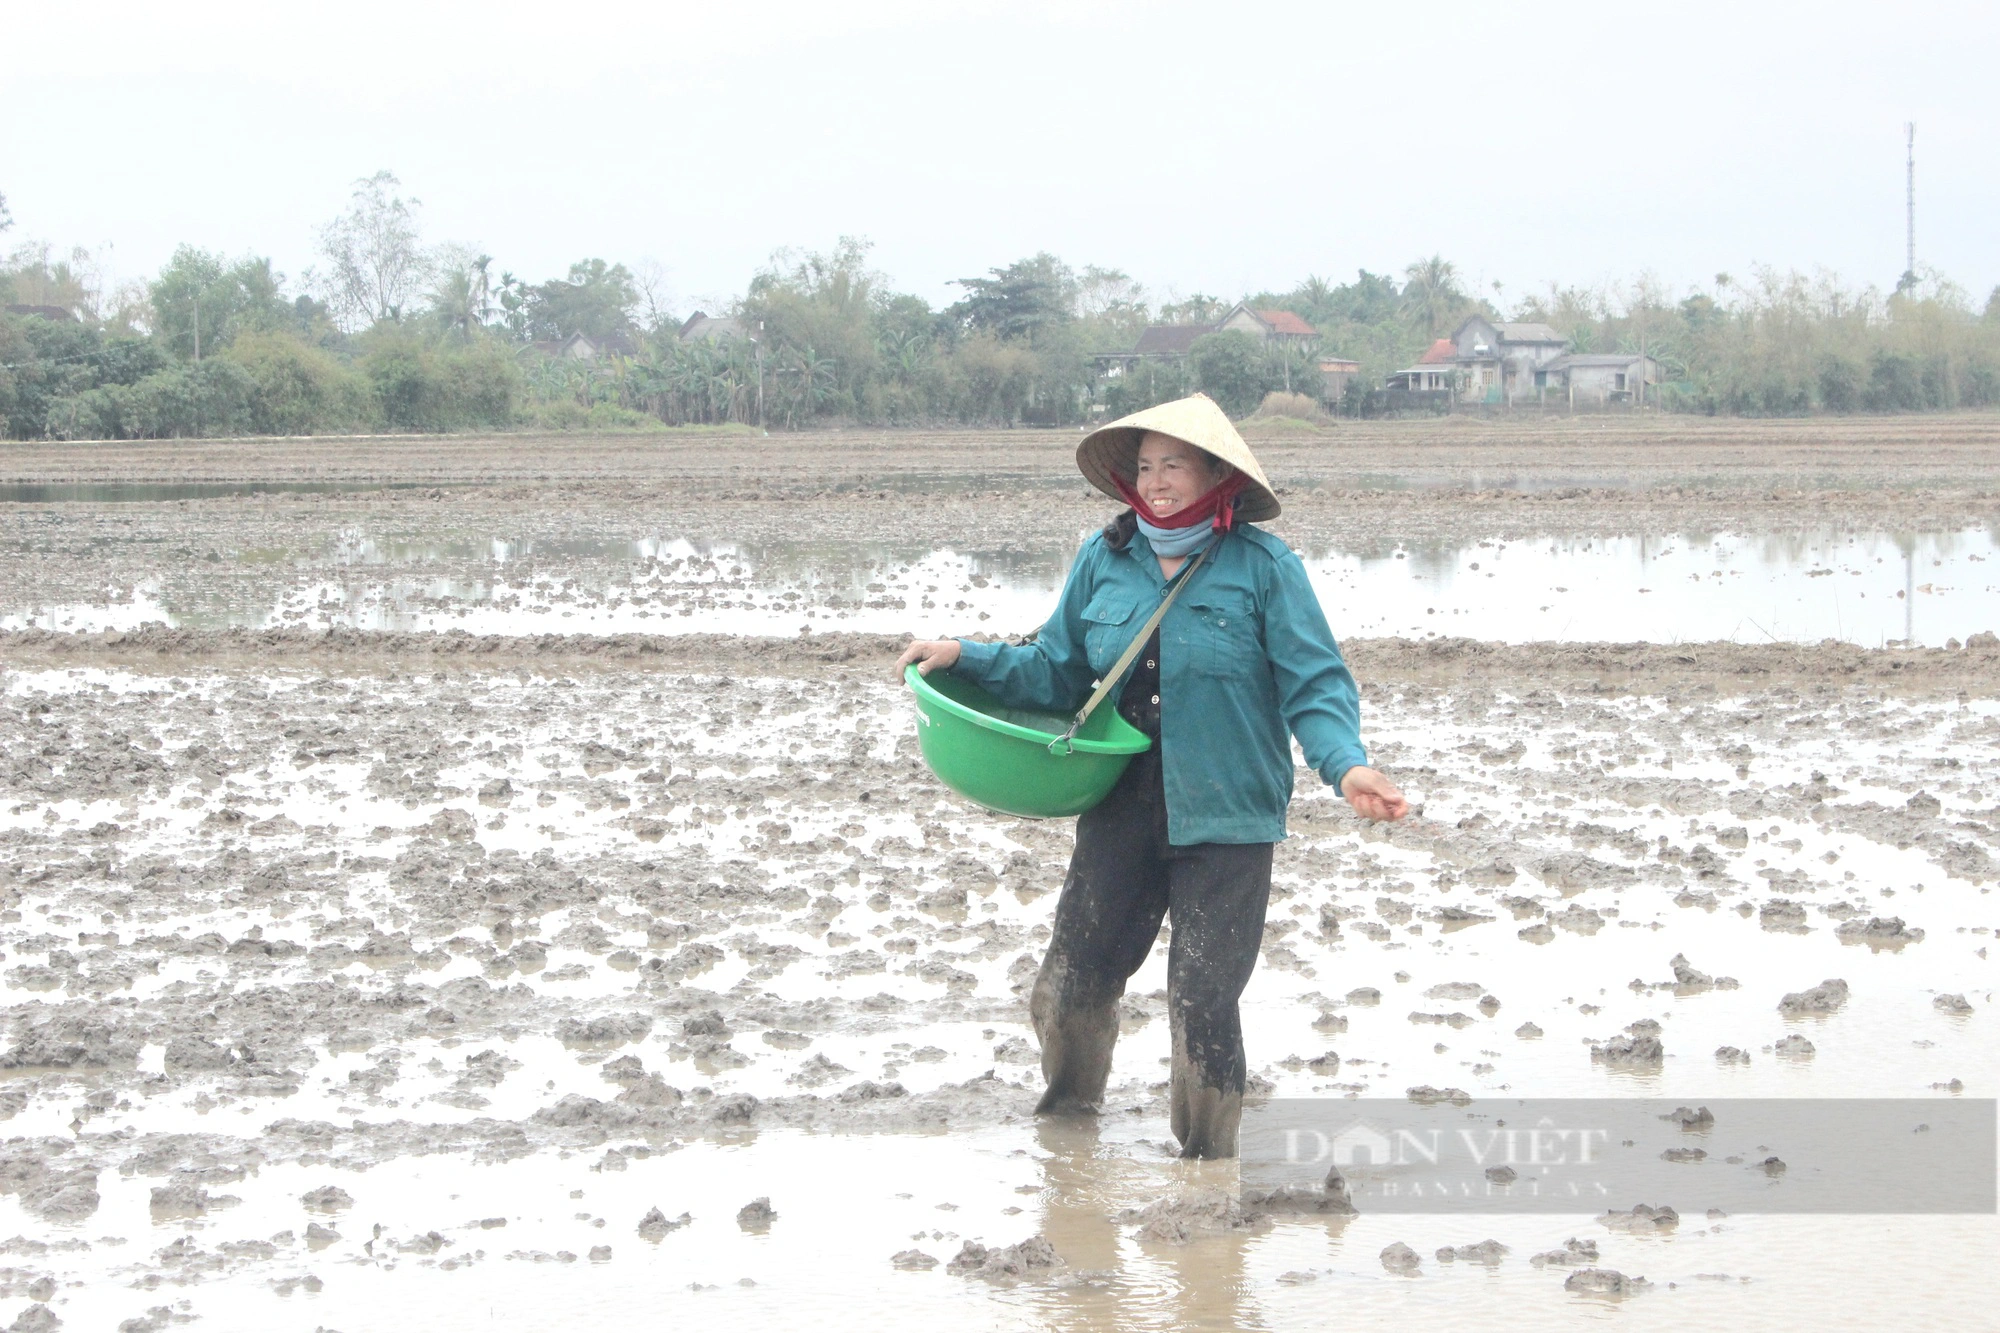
x,y
999,757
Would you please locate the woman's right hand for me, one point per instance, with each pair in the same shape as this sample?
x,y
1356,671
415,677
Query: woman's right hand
x,y
929,655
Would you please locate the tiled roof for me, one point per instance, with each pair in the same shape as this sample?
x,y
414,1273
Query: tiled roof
x,y
1565,362
1285,322
1170,339
1528,333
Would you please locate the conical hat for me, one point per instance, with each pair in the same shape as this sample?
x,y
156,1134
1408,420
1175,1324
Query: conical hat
x,y
1114,449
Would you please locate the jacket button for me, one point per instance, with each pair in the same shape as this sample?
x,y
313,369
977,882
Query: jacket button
x,y
1151,664
1222,624
1156,698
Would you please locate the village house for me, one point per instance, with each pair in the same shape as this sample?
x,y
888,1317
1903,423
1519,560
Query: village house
x,y
1173,342
1335,374
583,347
1436,371
1600,379
702,326
1494,362
1503,362
1267,326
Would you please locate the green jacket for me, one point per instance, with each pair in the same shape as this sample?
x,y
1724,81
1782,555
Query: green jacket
x,y
1245,653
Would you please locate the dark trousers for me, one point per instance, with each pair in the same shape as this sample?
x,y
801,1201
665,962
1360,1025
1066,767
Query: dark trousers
x,y
1124,877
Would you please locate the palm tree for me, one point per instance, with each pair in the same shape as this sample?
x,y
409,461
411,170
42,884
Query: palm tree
x,y
1316,294
690,380
463,296
1431,293
810,378
907,354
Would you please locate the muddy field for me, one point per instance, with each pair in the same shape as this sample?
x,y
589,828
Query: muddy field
x,y
367,980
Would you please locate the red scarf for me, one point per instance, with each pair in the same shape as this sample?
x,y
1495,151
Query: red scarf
x,y
1218,506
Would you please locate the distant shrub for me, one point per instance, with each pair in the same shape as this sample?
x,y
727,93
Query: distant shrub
x,y
297,389
1298,406
423,386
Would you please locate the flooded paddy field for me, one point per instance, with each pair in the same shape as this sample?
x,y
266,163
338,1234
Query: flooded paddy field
x,y
1872,533
447,971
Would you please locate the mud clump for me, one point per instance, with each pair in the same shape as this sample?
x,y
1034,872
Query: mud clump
x,y
1951,1004
1794,1047
1017,1051
1574,1254
1687,975
37,1318
576,1111
1643,1220
1331,1199
192,1055
1425,1095
651,1091
1029,1258
604,1030
709,1023
1604,1282
1178,1221
1630,1051
736,1109
1731,1055
327,1199
1781,914
1576,917
655,1225
915,1261
1400,1258
180,1199
1878,932
1822,999
756,1215
1488,1252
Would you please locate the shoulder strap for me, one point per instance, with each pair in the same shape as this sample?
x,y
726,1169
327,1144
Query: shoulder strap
x,y
1125,659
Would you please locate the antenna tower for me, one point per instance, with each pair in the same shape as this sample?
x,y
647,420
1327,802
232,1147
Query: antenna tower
x,y
1909,278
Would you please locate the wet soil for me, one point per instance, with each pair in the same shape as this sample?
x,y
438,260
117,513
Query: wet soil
x,y
345,970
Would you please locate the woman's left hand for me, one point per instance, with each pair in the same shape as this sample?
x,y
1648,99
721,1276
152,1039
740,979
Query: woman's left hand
x,y
1372,795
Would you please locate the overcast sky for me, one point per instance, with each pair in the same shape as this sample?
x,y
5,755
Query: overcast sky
x,y
1220,147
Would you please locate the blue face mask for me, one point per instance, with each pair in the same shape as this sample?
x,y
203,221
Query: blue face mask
x,y
1175,542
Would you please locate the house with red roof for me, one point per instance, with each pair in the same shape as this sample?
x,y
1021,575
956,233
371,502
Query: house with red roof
x,y
1173,342
1436,369
1269,326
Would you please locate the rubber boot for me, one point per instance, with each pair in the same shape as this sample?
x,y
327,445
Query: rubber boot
x,y
1204,1118
1077,1041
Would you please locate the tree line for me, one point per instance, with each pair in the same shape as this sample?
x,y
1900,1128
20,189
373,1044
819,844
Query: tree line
x,y
386,332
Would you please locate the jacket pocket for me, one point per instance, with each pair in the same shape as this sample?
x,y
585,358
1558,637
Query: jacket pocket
x,y
1223,636
1107,627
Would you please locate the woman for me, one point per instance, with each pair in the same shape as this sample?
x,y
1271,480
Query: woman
x,y
1243,655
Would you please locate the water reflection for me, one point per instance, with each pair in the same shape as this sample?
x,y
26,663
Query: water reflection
x,y
146,492
1867,588
1087,1183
